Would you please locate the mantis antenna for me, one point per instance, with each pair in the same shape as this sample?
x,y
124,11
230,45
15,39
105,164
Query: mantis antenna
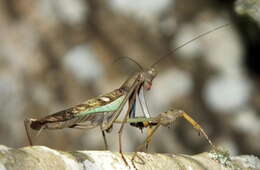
x,y
188,42
123,58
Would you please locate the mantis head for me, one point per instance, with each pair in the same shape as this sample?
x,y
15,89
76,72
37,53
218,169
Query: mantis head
x,y
149,75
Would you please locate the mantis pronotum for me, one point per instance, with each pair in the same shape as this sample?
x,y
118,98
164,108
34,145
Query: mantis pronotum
x,y
103,110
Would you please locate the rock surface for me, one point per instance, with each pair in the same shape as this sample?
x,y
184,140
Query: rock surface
x,y
41,157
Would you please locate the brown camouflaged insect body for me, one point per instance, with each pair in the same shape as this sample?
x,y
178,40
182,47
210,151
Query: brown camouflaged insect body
x,y
69,117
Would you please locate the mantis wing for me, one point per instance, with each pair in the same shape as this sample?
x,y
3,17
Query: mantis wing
x,y
120,108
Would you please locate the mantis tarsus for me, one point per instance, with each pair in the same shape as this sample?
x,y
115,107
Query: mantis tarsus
x,y
104,110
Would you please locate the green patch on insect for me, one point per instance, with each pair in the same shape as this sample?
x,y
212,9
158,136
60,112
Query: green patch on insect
x,y
106,108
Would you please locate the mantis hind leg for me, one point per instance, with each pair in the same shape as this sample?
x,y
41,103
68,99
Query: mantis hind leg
x,y
27,124
87,126
104,138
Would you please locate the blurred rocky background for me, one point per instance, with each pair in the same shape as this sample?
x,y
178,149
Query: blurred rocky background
x,y
58,53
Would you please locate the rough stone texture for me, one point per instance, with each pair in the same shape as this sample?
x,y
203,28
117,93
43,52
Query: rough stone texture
x,y
249,7
41,157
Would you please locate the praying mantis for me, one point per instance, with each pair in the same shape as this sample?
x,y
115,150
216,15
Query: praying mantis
x,y
100,111
103,111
